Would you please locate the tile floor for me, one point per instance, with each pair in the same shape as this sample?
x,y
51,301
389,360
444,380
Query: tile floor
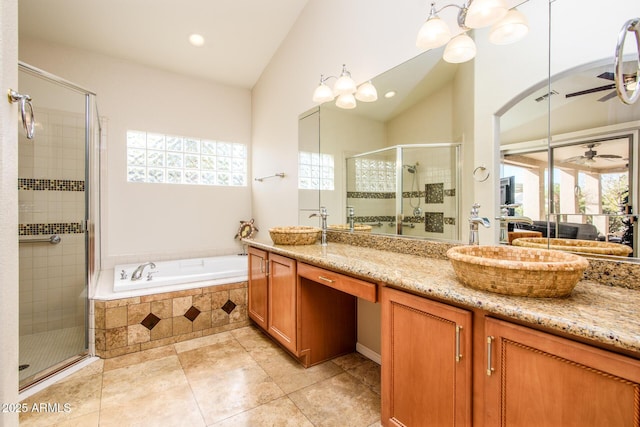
x,y
235,378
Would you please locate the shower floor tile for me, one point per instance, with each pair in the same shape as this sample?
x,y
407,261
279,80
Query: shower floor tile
x,y
238,377
61,344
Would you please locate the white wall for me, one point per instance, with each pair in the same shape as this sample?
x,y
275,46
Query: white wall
x,y
9,212
369,38
156,221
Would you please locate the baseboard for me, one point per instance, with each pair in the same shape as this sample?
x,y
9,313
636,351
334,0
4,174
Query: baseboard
x,y
368,353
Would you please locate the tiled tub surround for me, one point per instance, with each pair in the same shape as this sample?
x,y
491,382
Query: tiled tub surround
x,y
129,325
603,315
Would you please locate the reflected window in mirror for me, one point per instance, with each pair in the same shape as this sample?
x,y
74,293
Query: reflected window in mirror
x,y
316,171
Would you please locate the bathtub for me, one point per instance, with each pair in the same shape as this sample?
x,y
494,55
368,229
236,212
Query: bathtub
x,y
168,276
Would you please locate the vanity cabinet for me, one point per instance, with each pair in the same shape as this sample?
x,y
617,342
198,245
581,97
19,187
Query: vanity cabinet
x,y
440,361
534,378
308,310
258,290
282,321
426,362
272,295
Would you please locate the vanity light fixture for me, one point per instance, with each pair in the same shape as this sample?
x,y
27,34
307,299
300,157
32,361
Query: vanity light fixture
x,y
508,26
345,89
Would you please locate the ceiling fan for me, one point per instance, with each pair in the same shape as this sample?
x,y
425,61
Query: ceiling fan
x,y
630,81
590,155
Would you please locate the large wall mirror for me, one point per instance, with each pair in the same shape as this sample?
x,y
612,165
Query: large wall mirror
x,y
569,146
394,163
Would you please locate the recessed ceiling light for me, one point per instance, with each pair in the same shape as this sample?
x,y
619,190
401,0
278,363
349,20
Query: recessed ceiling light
x,y
390,94
196,40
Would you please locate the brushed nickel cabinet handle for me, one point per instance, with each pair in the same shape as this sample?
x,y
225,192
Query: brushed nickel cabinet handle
x,y
326,279
458,353
489,362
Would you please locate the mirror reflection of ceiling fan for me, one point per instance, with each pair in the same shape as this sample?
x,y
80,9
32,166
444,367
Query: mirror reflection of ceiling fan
x,y
630,82
590,156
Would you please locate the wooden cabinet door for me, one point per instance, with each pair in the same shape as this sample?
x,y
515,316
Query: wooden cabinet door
x,y
537,379
257,287
282,323
426,362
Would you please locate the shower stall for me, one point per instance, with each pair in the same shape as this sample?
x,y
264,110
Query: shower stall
x,y
407,189
58,213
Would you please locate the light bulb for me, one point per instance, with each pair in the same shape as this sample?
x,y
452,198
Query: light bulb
x,y
510,29
345,83
433,34
461,48
323,93
482,13
367,92
346,101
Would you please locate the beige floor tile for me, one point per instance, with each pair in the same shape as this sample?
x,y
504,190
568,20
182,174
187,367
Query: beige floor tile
x,y
81,392
288,373
174,406
280,412
368,373
338,401
213,359
139,357
231,392
349,361
140,380
92,419
252,338
205,341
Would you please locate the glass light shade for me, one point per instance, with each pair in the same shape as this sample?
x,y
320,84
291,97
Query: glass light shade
x,y
344,85
346,101
510,29
482,13
461,48
433,34
323,93
367,92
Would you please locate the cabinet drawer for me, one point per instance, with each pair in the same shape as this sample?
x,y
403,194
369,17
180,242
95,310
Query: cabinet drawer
x,y
359,288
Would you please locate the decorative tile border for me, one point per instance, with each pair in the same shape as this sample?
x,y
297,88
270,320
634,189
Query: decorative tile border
x,y
50,184
55,228
370,195
130,325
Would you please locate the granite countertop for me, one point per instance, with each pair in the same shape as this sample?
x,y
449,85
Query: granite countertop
x,y
604,314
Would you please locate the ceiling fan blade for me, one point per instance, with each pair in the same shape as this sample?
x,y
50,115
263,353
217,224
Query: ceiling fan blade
x,y
592,90
607,75
608,156
608,96
575,159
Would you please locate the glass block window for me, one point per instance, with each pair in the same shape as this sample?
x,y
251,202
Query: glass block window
x,y
375,175
316,171
153,157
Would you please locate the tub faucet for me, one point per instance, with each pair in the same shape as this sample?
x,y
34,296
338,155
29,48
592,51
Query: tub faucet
x,y
323,215
505,219
137,273
474,220
351,216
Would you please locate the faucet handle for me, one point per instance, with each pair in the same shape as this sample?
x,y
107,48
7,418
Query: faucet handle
x,y
475,209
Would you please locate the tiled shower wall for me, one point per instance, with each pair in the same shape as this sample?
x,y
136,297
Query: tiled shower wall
x,y
51,188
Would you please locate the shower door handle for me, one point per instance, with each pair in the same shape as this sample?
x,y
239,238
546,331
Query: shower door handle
x,y
26,111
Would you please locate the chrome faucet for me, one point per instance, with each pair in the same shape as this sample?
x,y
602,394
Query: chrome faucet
x,y
351,216
474,220
506,219
323,215
137,273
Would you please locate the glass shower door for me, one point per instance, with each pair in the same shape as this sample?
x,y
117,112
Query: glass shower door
x,y
52,176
